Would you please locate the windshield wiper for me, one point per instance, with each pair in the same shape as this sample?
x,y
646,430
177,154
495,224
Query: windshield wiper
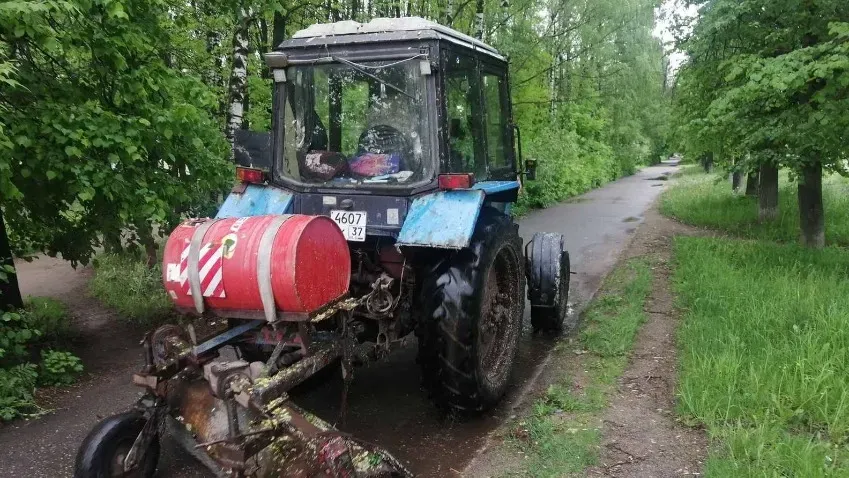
x,y
373,77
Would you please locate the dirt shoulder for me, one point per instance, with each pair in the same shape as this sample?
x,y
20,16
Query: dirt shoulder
x,y
637,433
641,435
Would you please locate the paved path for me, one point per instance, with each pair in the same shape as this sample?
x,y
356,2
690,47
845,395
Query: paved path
x,y
386,404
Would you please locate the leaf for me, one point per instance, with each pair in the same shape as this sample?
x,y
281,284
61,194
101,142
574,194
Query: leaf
x,y
73,151
116,10
51,174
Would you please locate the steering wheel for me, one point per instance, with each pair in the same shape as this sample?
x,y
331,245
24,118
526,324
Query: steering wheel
x,y
384,139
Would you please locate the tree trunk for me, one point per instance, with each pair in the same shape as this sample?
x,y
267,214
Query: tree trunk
x,y
707,162
479,19
752,184
238,76
736,181
10,293
278,33
448,13
768,193
811,214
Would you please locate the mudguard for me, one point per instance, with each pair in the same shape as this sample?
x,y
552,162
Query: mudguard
x,y
444,219
256,200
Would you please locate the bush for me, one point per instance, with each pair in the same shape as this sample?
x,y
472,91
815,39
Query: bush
x,y
17,385
59,368
20,337
582,160
50,317
15,336
125,283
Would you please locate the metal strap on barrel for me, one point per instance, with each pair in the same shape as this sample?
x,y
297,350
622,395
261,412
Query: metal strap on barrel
x,y
194,258
263,266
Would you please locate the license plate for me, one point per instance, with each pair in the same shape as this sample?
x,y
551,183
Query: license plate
x,y
352,223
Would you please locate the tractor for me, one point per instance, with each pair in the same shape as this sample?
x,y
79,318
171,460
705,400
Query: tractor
x,y
382,219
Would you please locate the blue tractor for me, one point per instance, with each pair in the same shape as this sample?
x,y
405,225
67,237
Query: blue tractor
x,y
400,131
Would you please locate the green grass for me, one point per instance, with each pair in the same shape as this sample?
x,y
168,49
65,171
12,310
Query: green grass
x,y
124,282
765,355
561,436
50,317
707,200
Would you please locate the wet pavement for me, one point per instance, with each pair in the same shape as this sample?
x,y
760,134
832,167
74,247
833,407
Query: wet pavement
x,y
386,404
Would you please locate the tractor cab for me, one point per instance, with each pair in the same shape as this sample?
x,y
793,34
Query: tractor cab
x,y
388,107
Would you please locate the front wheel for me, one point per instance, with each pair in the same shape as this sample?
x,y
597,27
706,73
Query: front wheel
x,y
103,451
471,305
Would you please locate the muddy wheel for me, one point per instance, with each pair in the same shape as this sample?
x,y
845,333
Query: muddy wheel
x,y
103,451
556,319
471,305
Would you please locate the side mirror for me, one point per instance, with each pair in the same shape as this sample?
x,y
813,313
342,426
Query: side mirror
x,y
531,169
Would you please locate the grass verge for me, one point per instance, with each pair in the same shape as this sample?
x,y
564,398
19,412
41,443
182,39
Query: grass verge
x,y
562,435
706,200
125,283
765,354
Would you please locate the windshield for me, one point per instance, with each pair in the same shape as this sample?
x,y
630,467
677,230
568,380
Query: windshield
x,y
355,124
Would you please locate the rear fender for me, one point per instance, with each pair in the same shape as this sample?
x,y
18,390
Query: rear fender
x,y
442,220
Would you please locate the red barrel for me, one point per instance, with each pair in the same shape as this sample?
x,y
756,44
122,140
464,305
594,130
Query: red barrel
x,y
256,265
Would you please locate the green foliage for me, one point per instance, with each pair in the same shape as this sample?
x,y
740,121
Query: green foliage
x,y
59,368
108,134
50,317
20,338
125,283
707,200
15,336
766,82
764,351
17,385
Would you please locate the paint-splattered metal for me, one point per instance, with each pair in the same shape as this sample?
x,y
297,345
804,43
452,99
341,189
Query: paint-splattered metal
x,y
443,219
256,201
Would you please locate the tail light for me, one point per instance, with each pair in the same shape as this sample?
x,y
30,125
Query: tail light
x,y
456,181
250,175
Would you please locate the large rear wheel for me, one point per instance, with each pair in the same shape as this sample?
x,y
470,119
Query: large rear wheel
x,y
470,317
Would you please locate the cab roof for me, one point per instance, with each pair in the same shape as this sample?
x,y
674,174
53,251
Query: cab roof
x,y
382,29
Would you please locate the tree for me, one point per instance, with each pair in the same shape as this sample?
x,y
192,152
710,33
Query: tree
x,y
782,93
108,136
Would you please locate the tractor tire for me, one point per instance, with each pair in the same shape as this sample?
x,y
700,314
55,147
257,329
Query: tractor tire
x,y
102,453
557,319
469,307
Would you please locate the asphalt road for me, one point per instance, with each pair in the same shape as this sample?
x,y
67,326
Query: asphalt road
x,y
386,405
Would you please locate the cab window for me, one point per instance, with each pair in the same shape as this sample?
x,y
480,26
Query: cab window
x,y
495,120
466,150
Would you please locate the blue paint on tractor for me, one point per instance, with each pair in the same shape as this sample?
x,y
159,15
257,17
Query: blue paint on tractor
x,y
492,187
256,201
444,219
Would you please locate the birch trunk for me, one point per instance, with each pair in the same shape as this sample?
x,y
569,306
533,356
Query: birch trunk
x,y
479,20
237,93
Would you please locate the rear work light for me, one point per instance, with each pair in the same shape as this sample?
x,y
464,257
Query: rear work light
x,y
456,181
250,175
